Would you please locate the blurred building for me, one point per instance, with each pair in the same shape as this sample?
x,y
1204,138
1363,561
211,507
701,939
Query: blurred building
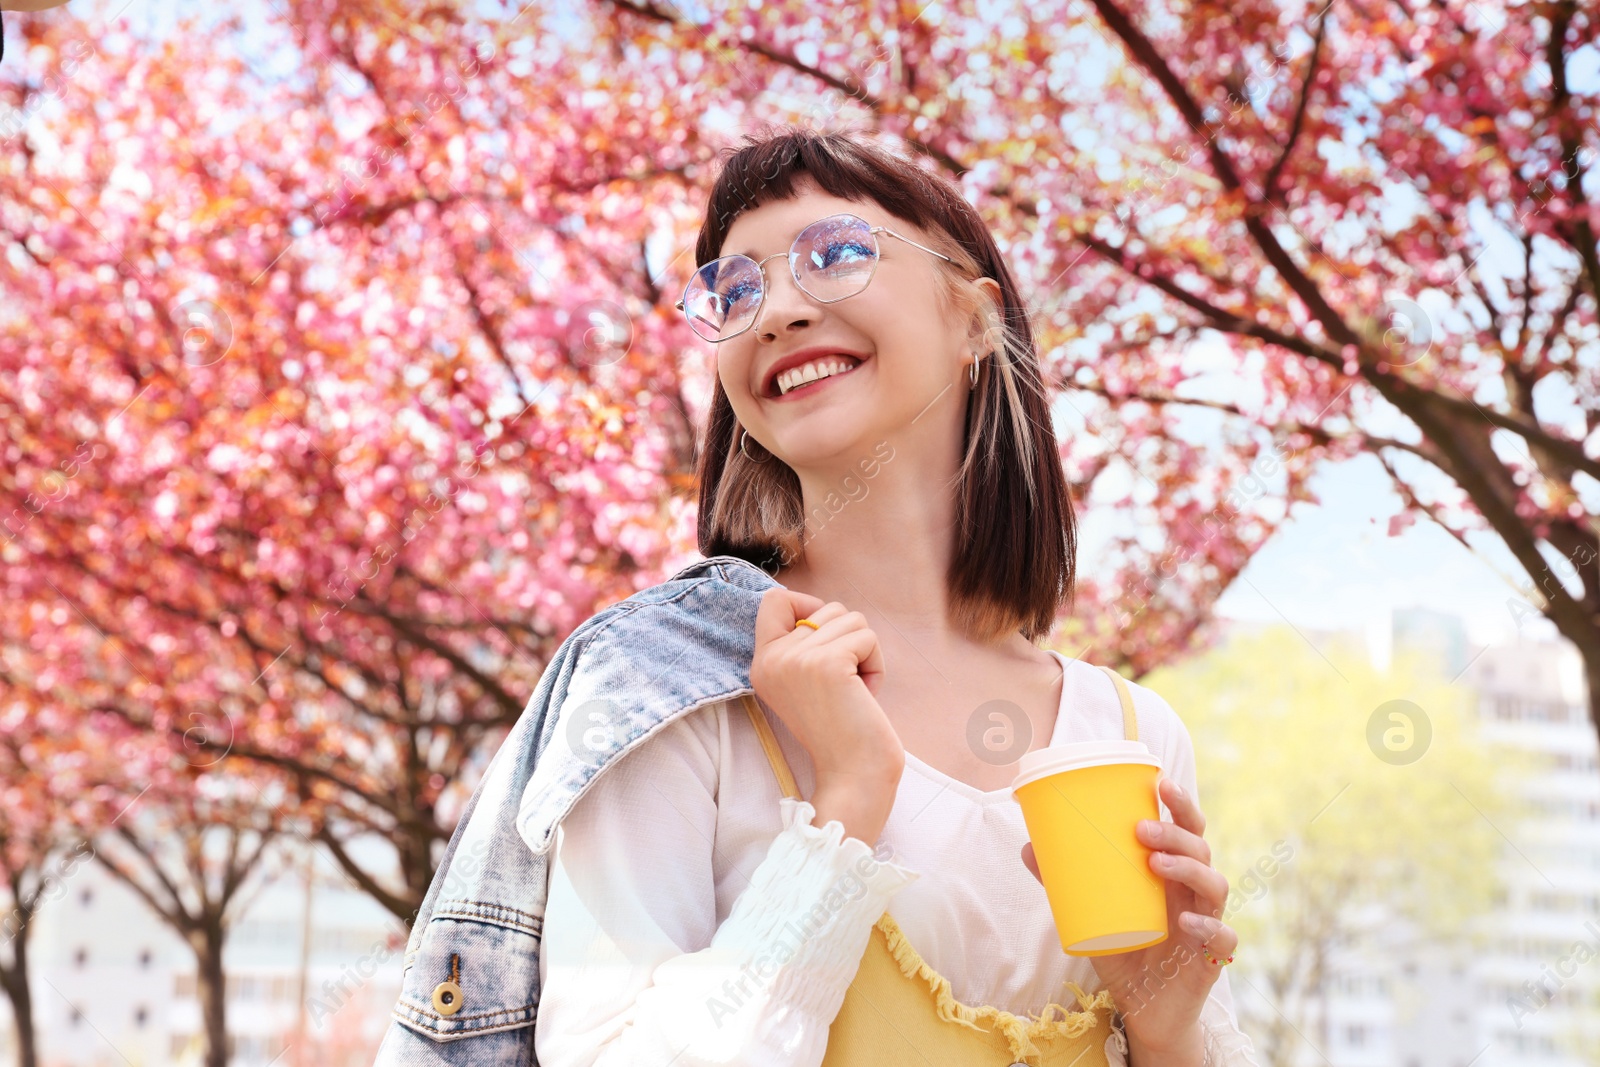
x,y
1521,987
114,986
1529,996
1432,633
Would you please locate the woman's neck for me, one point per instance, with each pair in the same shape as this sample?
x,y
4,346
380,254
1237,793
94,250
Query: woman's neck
x,y
903,617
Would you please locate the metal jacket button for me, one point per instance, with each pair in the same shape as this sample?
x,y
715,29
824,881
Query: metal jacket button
x,y
447,998
447,994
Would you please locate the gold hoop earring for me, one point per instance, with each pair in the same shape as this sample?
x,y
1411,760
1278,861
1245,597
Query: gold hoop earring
x,y
742,435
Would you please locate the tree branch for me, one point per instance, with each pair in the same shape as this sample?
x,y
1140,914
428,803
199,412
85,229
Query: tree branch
x,y
400,907
1269,184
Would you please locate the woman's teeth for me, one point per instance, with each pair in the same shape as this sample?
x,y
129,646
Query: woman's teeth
x,y
810,372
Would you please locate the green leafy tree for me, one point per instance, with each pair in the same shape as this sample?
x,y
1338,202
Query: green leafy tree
x,y
1346,801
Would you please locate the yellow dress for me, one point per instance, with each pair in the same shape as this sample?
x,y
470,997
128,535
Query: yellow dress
x,y
899,1012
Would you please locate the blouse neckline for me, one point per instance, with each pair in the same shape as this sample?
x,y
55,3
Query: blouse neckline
x,y
1004,792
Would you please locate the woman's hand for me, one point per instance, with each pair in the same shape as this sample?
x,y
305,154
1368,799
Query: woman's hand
x,y
820,683
1161,990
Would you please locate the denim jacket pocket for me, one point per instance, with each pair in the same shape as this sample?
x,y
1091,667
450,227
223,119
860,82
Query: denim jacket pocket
x,y
476,971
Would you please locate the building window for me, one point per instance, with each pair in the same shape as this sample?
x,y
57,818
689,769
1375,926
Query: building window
x,y
80,957
144,958
86,896
141,1015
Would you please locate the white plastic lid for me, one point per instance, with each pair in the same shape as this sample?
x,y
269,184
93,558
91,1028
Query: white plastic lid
x,y
1044,762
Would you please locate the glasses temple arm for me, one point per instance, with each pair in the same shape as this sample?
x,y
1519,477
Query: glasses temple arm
x,y
909,241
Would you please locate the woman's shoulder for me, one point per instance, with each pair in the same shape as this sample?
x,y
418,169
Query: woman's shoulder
x,y
699,730
1160,726
678,764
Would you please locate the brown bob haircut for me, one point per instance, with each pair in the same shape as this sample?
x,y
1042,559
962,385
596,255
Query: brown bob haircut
x,y
1012,567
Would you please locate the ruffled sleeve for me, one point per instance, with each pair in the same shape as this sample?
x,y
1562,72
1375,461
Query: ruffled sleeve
x,y
634,969
1226,1045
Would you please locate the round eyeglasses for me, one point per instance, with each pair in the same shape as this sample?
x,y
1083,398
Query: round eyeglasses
x,y
831,259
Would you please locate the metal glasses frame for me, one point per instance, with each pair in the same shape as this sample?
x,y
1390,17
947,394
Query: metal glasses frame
x,y
761,266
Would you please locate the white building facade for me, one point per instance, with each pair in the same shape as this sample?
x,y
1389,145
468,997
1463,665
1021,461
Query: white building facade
x,y
114,986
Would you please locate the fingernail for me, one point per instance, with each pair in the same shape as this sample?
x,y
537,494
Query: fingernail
x,y
1177,791
1199,925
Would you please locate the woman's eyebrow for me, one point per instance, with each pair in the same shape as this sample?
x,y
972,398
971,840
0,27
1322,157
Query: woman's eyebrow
x,y
750,254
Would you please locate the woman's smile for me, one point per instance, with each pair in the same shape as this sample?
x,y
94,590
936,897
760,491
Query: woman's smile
x,y
813,387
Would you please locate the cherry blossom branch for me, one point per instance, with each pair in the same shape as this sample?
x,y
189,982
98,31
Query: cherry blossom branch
x,y
1269,184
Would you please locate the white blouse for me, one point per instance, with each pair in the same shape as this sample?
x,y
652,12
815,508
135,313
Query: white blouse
x,y
696,918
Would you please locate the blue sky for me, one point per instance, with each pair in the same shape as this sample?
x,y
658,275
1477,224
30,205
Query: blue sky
x,y
1334,565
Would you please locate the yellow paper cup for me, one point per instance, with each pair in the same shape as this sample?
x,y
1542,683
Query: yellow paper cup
x,y
1081,804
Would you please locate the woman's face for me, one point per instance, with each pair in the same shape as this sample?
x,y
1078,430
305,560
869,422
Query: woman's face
x,y
912,352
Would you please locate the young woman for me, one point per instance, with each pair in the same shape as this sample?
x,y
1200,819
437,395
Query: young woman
x,y
880,442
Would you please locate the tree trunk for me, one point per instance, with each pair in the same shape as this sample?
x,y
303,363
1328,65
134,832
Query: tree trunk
x,y
1276,1048
206,940
1574,622
15,980
419,869
1590,650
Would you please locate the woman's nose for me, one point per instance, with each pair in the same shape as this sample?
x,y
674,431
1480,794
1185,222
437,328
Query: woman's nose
x,y
784,306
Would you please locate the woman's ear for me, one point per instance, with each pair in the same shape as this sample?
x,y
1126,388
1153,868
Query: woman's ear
x,y
986,329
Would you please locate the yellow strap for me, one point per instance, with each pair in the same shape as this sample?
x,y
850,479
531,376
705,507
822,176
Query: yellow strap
x,y
1130,722
780,766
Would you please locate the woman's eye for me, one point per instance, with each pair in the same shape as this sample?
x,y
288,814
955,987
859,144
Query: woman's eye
x,y
737,293
844,251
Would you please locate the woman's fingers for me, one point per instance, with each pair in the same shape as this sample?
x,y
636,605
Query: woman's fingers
x,y
1185,812
1218,937
864,646
1029,861
1170,837
779,609
838,625
1207,882
1181,852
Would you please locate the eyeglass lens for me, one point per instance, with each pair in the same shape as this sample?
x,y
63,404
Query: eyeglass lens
x,y
831,259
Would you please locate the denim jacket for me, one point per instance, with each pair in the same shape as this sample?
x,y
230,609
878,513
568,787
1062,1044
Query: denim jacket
x,y
470,986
